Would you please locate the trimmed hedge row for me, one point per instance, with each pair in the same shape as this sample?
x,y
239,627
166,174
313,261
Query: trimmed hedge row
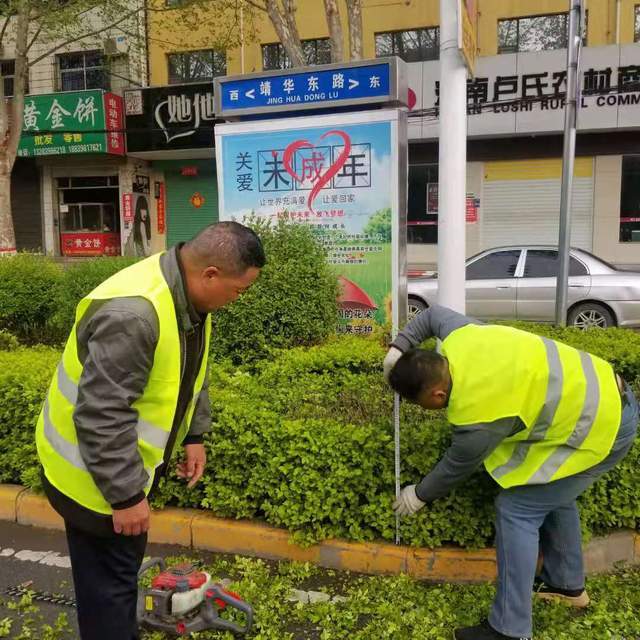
x,y
293,303
304,441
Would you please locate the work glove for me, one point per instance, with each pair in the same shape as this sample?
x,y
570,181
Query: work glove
x,y
408,502
393,355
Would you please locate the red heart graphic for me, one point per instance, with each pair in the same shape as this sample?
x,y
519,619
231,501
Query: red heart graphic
x,y
289,153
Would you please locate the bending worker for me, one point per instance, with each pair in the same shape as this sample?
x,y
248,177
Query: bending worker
x,y
131,387
546,419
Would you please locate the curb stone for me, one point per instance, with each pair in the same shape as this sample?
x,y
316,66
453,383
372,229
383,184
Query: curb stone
x,y
195,529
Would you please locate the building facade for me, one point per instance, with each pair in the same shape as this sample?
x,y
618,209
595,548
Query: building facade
x,y
514,124
72,172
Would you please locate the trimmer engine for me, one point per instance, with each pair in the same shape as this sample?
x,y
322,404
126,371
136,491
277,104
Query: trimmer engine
x,y
182,600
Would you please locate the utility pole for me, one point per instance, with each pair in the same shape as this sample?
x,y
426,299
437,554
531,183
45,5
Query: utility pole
x,y
452,162
574,44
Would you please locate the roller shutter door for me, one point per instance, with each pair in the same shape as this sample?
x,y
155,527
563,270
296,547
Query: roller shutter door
x,y
521,203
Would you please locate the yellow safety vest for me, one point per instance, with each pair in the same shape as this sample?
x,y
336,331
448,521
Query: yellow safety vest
x,y
56,436
568,401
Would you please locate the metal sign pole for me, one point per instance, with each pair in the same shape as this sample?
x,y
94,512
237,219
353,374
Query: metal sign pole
x,y
568,158
399,276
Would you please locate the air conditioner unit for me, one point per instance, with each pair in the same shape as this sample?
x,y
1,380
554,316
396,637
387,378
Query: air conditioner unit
x,y
117,46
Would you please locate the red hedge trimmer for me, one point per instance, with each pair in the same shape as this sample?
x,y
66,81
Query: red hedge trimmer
x,y
182,600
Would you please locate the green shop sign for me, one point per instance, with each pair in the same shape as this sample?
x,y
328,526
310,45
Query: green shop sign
x,y
71,123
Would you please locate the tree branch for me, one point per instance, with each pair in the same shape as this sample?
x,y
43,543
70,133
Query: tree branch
x,y
4,29
287,35
354,17
33,40
83,37
335,30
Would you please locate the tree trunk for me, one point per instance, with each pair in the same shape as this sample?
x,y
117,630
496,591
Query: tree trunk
x,y
287,30
335,30
7,234
11,129
354,14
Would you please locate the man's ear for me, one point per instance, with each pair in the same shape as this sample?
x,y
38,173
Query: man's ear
x,y
211,272
440,394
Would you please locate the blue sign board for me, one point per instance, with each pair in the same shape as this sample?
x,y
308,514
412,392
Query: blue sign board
x,y
311,88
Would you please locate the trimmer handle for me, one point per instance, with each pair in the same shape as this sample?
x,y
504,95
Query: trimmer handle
x,y
216,592
149,564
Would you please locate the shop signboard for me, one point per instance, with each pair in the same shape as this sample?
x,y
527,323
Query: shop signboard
x,y
73,122
88,244
342,175
523,93
169,118
467,32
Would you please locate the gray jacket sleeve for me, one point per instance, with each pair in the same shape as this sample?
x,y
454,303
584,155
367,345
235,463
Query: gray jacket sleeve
x,y
434,322
201,419
470,445
117,345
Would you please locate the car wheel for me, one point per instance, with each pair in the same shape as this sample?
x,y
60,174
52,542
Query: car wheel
x,y
415,307
589,315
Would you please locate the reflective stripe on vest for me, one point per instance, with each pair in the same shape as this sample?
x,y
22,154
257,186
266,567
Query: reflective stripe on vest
x,y
67,450
56,437
150,433
568,401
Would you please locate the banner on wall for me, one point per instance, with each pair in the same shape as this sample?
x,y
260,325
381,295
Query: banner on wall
x,y
338,174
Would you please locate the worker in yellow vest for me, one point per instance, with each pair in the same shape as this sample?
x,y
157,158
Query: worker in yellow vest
x,y
546,419
131,387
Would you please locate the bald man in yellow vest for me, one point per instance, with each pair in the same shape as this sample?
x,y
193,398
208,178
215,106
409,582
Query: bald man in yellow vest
x,y
132,387
546,419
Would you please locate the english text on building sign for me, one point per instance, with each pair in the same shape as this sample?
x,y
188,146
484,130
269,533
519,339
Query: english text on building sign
x,y
70,123
312,88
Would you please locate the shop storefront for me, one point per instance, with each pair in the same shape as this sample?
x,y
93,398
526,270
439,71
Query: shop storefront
x,y
77,141
171,128
515,123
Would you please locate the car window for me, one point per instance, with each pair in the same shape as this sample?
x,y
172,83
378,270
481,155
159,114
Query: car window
x,y
541,263
499,264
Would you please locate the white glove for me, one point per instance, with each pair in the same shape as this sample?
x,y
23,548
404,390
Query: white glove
x,y
408,502
393,355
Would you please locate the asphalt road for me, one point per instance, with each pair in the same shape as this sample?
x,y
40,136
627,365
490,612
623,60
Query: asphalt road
x,y
40,556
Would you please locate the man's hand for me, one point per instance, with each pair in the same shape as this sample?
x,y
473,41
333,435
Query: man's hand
x,y
393,355
192,467
408,502
132,521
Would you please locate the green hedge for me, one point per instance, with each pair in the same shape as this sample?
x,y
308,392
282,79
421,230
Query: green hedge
x,y
75,283
28,286
304,441
293,302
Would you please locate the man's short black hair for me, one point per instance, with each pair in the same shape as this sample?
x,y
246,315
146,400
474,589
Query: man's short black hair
x,y
228,245
415,371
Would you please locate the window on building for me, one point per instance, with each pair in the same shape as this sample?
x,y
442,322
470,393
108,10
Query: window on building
x,y
536,33
422,214
630,200
196,66
316,51
636,23
414,45
82,70
8,73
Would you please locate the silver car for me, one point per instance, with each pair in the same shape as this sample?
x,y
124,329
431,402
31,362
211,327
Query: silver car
x,y
520,282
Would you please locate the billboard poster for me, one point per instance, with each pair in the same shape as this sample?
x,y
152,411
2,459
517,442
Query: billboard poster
x,y
338,174
136,225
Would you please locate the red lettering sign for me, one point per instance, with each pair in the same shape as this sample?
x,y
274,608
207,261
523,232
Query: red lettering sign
x,y
161,209
115,124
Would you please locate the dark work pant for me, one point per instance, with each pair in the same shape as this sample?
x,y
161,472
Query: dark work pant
x,y
105,577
